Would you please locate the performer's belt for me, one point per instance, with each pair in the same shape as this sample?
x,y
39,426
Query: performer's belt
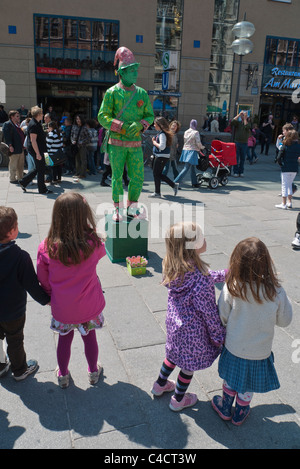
x,y
125,143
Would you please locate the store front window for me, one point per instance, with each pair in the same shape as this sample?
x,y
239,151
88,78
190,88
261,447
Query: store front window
x,y
280,88
168,50
77,49
281,73
221,62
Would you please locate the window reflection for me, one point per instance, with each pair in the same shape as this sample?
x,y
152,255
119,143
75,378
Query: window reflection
x,y
282,52
74,44
221,62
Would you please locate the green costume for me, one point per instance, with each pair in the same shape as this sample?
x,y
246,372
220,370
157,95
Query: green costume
x,y
125,142
123,148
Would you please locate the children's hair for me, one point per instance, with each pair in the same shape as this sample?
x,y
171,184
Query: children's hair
x,y
287,127
53,125
291,137
165,127
251,266
8,221
182,241
72,235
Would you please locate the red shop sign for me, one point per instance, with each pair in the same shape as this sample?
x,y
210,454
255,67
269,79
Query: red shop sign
x,y
57,71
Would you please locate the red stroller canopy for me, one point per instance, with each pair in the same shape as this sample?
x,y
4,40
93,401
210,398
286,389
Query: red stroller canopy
x,y
224,151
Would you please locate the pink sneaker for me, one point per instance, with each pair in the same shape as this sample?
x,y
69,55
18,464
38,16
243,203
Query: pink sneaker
x,y
188,400
158,390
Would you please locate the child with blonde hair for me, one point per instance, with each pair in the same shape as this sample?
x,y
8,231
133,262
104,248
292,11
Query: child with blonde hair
x,y
251,304
66,268
194,330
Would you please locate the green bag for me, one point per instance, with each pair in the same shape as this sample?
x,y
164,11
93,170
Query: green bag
x,y
104,145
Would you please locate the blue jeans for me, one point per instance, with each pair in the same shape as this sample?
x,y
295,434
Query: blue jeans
x,y
186,168
174,168
241,152
251,154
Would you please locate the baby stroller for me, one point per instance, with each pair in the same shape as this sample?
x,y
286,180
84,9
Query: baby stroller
x,y
216,166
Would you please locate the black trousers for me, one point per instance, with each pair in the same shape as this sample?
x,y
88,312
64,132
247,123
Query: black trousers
x,y
158,166
13,332
39,171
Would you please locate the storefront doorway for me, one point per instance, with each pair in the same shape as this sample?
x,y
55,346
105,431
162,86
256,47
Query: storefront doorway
x,y
282,107
70,98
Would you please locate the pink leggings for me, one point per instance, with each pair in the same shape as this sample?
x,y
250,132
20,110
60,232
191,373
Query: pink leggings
x,y
64,351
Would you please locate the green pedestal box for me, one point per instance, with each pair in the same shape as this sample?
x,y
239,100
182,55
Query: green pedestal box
x,y
126,238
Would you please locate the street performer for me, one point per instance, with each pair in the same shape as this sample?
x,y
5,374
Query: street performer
x,y
126,112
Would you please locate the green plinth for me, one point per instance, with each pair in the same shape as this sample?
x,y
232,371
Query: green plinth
x,y
126,238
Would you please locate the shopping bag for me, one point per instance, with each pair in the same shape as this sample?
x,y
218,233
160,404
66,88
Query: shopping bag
x,y
48,160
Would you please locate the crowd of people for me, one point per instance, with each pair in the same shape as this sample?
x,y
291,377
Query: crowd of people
x,y
29,137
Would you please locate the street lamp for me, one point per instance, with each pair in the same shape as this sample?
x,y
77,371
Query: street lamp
x,y
241,46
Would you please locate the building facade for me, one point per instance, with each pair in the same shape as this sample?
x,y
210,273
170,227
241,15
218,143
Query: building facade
x,y
61,54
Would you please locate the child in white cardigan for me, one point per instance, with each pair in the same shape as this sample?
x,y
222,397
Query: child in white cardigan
x,y
251,303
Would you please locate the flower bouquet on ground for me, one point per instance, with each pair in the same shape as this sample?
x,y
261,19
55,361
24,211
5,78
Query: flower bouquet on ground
x,y
136,265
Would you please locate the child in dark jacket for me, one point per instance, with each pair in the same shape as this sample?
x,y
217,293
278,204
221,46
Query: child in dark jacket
x,y
17,277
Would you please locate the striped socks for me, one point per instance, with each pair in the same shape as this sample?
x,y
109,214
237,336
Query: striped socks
x,y
165,371
183,382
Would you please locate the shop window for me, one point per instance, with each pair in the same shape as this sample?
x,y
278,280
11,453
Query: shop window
x,y
169,16
73,45
281,52
98,35
292,54
111,36
271,50
70,34
56,33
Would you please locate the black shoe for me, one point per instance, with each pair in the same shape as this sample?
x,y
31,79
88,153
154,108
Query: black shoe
x,y
22,187
195,185
13,182
47,192
104,184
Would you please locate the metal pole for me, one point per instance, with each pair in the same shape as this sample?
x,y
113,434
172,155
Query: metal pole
x,y
238,87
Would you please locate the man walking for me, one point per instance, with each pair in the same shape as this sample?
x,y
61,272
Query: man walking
x,y
14,137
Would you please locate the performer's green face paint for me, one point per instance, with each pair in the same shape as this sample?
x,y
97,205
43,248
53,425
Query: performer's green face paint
x,y
129,75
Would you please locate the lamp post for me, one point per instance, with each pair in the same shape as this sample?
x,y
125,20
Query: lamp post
x,y
241,46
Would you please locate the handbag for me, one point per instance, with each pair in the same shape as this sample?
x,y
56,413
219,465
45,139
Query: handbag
x,y
74,146
280,156
203,160
104,146
57,158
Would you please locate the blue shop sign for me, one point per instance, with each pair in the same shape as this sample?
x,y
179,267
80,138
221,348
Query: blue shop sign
x,y
280,80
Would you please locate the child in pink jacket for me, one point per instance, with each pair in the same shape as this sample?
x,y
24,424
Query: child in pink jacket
x,y
66,268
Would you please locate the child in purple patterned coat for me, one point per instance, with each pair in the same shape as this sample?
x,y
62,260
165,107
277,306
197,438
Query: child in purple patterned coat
x,y
194,331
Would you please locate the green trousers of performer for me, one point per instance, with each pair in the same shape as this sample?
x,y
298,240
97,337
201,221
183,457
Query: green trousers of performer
x,y
134,160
